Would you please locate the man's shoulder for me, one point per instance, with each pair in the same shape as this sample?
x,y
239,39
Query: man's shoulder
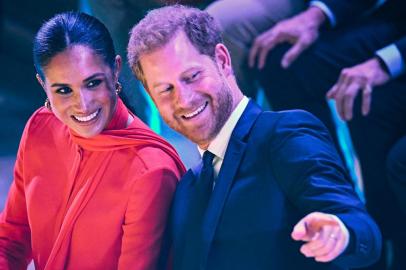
x,y
287,114
269,120
271,127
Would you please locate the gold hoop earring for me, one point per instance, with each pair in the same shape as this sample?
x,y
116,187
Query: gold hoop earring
x,y
47,104
118,88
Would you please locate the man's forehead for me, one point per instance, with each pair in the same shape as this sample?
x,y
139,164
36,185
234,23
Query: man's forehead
x,y
178,51
179,44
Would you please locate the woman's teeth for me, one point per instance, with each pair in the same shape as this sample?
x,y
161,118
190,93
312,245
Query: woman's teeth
x,y
87,118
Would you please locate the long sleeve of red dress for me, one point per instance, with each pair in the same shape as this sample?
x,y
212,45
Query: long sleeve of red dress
x,y
15,240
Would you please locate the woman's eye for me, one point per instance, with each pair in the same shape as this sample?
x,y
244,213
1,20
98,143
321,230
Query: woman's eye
x,y
63,90
93,83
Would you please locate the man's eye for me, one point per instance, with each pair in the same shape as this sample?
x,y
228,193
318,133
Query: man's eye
x,y
93,83
165,89
63,90
194,76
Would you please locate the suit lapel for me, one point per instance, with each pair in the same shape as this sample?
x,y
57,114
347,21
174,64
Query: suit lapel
x,y
181,204
232,159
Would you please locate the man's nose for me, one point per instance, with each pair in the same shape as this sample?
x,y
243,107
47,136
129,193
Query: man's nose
x,y
184,95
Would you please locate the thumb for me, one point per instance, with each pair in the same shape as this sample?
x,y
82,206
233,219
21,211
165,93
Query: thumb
x,y
300,231
310,225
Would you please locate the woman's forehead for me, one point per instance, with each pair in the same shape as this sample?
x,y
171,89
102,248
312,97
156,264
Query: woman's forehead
x,y
78,60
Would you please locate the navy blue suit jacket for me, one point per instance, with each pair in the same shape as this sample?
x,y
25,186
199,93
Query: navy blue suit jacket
x,y
278,167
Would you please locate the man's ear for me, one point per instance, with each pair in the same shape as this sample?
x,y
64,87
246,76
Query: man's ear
x,y
40,81
223,59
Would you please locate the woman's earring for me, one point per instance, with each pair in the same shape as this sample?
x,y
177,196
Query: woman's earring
x,y
47,104
118,88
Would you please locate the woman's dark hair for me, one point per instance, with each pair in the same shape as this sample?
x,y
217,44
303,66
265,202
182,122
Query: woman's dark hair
x,y
67,29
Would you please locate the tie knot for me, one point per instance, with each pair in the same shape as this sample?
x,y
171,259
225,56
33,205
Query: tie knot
x,y
208,158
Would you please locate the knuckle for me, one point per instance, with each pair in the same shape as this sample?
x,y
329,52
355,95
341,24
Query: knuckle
x,y
306,40
346,72
348,95
257,41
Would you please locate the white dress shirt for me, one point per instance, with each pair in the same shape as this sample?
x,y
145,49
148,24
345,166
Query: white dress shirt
x,y
218,145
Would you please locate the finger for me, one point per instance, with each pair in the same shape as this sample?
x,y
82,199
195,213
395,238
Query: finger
x,y
263,53
344,77
339,96
300,231
317,241
329,240
341,84
348,100
253,54
316,224
293,53
314,244
256,47
313,247
258,44
332,92
268,44
340,106
335,252
311,224
366,99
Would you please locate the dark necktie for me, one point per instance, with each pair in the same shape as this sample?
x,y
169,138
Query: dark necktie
x,y
204,185
202,190
201,193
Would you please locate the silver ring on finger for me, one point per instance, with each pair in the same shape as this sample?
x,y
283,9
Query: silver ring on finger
x,y
333,236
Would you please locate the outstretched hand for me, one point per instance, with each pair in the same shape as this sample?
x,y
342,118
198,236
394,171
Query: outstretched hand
x,y
300,31
325,235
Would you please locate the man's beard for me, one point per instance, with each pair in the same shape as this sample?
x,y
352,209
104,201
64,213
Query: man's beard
x,y
223,111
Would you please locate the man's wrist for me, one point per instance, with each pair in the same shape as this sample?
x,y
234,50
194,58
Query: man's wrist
x,y
328,13
381,64
344,231
392,59
315,15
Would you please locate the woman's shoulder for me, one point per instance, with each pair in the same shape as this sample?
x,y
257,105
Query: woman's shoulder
x,y
43,123
43,117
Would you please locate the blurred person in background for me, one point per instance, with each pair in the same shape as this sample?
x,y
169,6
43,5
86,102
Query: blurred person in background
x,y
241,22
354,53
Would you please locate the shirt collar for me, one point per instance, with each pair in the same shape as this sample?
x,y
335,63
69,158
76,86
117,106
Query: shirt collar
x,y
218,145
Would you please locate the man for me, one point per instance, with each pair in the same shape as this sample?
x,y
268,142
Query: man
x,y
280,197
352,51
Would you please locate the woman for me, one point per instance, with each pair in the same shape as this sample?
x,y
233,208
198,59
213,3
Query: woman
x,y
92,184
